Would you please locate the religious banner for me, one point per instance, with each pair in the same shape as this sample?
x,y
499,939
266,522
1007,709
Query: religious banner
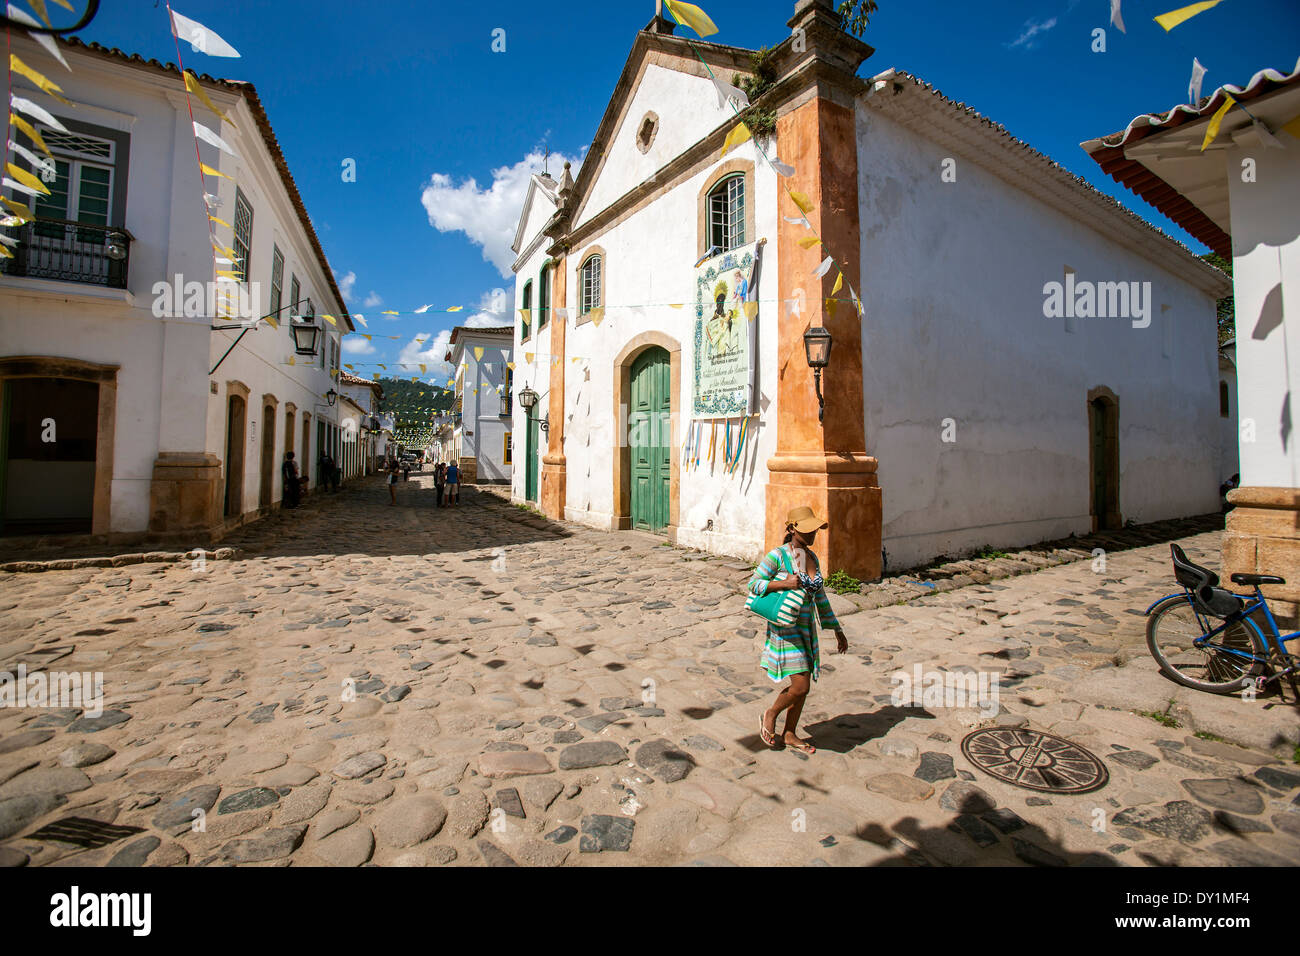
x,y
725,337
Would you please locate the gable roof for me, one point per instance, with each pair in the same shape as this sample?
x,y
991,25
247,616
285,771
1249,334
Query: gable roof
x,y
549,188
254,103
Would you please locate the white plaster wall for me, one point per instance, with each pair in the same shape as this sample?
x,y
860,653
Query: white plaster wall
x,y
483,409
1266,287
164,400
688,111
952,283
650,261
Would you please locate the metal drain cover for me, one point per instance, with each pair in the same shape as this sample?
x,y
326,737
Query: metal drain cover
x,y
79,831
1035,760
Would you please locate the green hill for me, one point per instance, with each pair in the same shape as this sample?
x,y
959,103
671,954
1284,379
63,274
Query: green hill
x,y
402,398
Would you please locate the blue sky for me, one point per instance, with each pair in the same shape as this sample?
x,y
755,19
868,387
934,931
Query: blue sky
x,y
444,131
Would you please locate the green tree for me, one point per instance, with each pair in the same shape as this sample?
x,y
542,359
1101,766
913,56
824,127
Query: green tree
x,y
854,15
1227,312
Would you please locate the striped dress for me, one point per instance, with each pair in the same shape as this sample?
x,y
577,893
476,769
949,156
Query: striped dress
x,y
793,649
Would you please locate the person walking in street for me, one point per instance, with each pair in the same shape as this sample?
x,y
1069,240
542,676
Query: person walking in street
x,y
439,481
793,652
292,487
453,484
393,472
324,465
406,469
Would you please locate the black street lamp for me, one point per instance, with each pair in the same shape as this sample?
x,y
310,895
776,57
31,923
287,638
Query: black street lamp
x,y
817,345
527,399
331,396
304,336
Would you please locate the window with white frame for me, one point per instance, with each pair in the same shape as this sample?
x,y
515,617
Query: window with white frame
x,y
80,181
589,283
243,235
277,281
727,213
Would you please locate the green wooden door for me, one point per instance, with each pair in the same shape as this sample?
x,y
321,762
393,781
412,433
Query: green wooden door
x,y
530,461
648,421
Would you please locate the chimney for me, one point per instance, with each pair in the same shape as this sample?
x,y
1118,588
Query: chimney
x,y
660,24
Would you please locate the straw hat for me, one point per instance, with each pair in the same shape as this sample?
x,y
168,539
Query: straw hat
x,y
804,520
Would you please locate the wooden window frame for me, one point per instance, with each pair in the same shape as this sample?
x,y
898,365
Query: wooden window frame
x,y
247,257
584,314
724,171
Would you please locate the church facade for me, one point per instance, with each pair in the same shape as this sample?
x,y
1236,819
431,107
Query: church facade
x,y
1014,356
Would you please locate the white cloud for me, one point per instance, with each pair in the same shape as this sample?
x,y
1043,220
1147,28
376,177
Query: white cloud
x,y
422,350
356,345
347,285
372,300
1030,30
488,216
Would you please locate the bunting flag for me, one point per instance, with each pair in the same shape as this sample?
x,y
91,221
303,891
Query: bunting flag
x,y
33,135
1116,17
21,211
46,85
212,139
1216,121
35,111
524,315
739,134
689,15
798,221
478,353
209,171
1292,126
423,369
803,202
785,169
455,308
44,39
389,312
807,242
220,222
1183,14
729,94
24,181
824,268
362,320
528,357
1194,87
510,365
839,283
192,84
200,38
596,316
422,309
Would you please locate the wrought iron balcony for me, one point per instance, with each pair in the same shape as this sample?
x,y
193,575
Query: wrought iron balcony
x,y
71,252
506,410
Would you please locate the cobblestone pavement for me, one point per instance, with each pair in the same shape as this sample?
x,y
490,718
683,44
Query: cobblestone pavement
x,y
544,695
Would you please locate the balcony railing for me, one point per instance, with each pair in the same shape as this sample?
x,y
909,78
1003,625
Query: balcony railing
x,y
505,405
71,252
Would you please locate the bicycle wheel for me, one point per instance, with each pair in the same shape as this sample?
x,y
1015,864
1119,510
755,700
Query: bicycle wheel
x,y
1172,630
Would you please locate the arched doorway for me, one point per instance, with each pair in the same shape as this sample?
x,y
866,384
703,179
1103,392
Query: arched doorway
x,y
236,414
647,381
266,486
1103,459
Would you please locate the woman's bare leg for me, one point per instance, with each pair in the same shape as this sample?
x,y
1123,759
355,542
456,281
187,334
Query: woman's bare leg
x,y
799,685
791,696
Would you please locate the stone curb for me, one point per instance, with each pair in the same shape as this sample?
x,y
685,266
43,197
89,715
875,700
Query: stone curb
x,y
118,560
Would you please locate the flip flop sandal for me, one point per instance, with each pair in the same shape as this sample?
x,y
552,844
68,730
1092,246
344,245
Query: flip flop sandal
x,y
767,736
804,747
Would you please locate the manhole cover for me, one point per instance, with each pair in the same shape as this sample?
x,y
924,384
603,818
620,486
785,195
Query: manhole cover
x,y
1035,760
79,831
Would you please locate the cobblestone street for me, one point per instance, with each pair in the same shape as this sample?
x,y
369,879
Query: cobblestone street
x,y
532,693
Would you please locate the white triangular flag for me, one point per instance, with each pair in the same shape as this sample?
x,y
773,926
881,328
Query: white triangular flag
x,y
44,39
824,268
200,37
362,320
1194,87
422,309
214,202
14,184
1116,17
212,139
798,221
42,166
24,105
728,93
785,169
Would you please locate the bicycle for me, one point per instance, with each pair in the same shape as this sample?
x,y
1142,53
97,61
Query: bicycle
x,y
1226,658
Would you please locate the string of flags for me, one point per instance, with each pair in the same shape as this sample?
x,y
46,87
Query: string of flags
x,y
707,439
1174,18
21,111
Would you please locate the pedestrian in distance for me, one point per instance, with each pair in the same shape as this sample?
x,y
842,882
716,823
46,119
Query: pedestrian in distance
x,y
292,486
325,466
439,482
393,471
406,469
792,652
453,484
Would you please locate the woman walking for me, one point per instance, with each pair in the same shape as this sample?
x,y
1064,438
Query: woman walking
x,y
393,472
439,480
793,651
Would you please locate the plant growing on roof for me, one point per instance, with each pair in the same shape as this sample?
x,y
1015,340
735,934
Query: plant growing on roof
x,y
761,78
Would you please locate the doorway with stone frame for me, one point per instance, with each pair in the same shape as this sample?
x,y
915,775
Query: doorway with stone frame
x,y
1103,460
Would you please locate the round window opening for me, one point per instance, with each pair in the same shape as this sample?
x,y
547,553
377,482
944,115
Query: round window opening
x,y
646,131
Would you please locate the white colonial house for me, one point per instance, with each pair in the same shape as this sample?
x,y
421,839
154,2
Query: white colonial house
x,y
361,426
1030,358
169,419
482,360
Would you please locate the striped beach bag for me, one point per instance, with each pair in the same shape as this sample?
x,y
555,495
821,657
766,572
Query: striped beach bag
x,y
779,607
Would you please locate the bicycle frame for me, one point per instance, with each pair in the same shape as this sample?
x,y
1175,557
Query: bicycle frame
x,y
1274,639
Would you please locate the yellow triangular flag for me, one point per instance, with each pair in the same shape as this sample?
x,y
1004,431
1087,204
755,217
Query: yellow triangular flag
x,y
18,209
1216,121
26,178
1292,127
376,376
576,358
478,353
751,310
839,283
229,273
30,130
4,251
221,222
528,356
365,336
802,201
292,361
350,368
455,308
192,84
389,312
737,136
807,242
596,315
830,307
676,305
330,320
689,15
209,171
1182,14
382,365
525,314
18,66
422,371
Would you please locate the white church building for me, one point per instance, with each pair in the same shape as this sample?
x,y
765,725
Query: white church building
x,y
1030,359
